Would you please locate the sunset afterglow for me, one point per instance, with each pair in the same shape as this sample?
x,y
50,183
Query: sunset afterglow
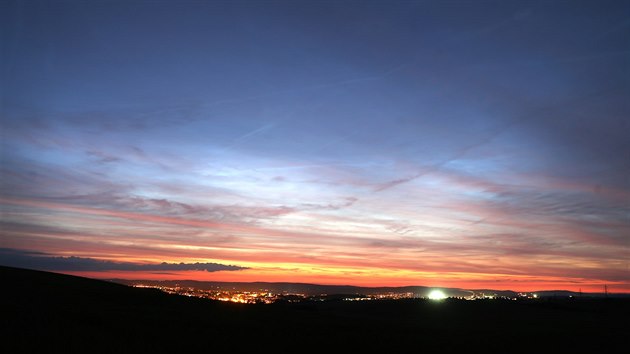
x,y
383,144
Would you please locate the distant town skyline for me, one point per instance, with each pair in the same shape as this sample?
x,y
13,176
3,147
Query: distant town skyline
x,y
462,144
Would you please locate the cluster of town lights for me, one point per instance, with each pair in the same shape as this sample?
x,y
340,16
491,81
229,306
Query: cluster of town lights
x,y
268,297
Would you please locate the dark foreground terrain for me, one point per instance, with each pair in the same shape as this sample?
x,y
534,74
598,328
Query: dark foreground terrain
x,y
47,313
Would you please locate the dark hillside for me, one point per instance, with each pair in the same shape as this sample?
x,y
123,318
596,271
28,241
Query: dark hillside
x,y
47,312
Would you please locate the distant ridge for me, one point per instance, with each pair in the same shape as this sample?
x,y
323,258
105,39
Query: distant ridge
x,y
318,289
304,288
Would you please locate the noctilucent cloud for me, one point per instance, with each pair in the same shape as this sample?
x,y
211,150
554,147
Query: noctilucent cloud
x,y
446,143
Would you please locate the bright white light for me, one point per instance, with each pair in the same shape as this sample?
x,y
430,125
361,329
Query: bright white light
x,y
437,295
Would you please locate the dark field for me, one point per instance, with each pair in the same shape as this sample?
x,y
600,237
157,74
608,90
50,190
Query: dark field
x,y
46,312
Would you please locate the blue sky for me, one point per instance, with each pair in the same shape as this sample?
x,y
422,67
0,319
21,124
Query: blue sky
x,y
463,141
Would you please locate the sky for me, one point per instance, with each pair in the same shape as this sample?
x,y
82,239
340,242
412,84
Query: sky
x,y
472,144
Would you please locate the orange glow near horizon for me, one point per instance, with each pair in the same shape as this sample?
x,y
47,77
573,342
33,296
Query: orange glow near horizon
x,y
370,279
271,254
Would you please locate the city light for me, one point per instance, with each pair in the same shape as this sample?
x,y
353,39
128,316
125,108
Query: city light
x,y
267,296
437,295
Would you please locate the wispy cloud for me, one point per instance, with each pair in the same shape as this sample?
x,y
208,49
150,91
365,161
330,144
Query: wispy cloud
x,y
480,153
44,261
